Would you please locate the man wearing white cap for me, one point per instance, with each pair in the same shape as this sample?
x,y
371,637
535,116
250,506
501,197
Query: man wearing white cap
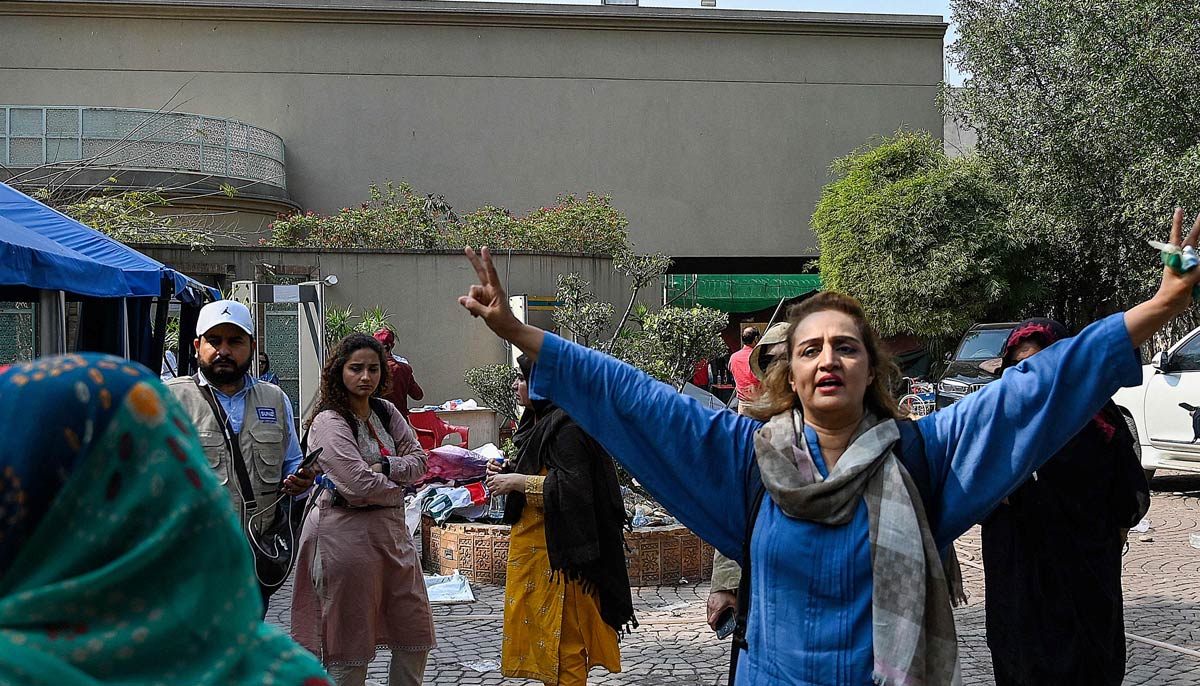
x,y
259,415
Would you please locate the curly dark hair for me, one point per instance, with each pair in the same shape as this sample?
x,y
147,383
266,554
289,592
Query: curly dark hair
x,y
333,392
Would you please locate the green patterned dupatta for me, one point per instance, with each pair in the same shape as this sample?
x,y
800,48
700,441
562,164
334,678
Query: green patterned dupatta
x,y
121,559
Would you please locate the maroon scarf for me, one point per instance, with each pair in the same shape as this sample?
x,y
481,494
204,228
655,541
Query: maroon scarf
x,y
1046,332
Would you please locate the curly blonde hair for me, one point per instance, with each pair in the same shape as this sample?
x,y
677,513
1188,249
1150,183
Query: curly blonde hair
x,y
775,395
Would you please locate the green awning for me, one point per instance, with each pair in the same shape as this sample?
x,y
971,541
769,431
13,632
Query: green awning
x,y
737,292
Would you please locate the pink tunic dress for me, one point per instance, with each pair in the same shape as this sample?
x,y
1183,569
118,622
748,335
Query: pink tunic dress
x,y
358,584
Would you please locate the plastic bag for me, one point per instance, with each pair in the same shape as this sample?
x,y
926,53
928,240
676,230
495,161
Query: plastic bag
x,y
413,506
453,589
468,502
452,463
489,451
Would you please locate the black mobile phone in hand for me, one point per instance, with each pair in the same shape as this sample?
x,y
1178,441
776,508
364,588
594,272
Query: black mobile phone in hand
x,y
310,459
726,622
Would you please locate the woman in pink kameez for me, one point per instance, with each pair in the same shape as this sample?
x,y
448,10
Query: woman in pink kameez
x,y
358,580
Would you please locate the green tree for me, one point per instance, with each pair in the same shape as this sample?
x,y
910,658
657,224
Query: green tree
x,y
493,384
666,344
1087,110
580,314
127,216
340,323
919,238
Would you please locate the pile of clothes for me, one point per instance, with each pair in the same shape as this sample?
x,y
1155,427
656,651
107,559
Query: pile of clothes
x,y
452,486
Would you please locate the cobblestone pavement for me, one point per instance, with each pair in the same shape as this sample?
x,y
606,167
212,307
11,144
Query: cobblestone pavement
x,y
674,646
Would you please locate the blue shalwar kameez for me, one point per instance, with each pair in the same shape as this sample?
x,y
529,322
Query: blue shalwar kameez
x,y
811,619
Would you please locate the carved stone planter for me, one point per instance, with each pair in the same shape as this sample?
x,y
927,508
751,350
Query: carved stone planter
x,y
658,556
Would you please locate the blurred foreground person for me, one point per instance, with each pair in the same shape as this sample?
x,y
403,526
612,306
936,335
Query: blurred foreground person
x,y
121,560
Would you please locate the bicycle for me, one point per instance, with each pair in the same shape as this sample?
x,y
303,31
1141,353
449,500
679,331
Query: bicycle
x,y
920,400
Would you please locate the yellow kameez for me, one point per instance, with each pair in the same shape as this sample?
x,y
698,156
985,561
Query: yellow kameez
x,y
552,628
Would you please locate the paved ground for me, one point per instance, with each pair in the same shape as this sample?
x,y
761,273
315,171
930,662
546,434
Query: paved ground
x,y
675,647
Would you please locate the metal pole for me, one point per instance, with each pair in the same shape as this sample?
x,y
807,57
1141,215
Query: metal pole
x,y
125,327
776,313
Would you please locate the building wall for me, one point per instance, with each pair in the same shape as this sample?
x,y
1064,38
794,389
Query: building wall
x,y
712,130
957,139
420,290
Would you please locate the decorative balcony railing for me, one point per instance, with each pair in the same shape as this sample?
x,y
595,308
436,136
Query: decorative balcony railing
x,y
140,139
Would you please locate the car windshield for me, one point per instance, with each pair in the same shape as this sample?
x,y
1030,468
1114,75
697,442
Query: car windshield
x,y
983,344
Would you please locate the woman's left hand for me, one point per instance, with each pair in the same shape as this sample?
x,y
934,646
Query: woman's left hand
x,y
503,484
299,482
1176,288
1174,292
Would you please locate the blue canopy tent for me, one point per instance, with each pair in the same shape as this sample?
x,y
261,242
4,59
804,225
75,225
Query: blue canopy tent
x,y
145,275
30,260
116,294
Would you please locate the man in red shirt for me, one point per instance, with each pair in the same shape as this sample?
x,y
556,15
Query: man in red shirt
x,y
739,365
402,385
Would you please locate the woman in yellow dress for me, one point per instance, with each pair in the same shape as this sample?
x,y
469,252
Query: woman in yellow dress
x,y
567,594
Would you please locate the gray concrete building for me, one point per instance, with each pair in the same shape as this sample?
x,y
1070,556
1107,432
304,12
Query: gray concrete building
x,y
712,130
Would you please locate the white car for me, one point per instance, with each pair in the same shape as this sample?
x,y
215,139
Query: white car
x,y
1164,411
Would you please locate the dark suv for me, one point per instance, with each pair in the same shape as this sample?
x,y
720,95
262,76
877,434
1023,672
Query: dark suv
x,y
975,363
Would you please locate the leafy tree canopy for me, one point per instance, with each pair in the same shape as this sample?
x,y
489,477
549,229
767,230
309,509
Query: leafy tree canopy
x,y
1087,110
919,238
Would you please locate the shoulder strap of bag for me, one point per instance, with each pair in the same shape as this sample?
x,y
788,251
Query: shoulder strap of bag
x,y
381,411
742,614
239,463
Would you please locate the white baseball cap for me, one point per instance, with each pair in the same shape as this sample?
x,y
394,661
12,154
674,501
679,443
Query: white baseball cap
x,y
224,312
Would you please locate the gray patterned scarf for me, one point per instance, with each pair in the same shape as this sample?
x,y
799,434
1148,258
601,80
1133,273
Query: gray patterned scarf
x,y
913,626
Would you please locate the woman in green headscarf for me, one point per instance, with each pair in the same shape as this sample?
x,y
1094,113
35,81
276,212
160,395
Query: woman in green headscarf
x,y
121,561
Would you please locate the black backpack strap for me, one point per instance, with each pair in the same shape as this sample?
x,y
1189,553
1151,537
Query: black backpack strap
x,y
249,501
742,614
381,411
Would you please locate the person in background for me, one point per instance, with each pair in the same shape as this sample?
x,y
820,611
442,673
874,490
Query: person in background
x,y
226,404
727,574
1052,549
846,515
264,369
700,376
402,385
122,561
170,366
358,579
567,597
739,365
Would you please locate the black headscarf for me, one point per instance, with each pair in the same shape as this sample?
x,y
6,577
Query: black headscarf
x,y
581,497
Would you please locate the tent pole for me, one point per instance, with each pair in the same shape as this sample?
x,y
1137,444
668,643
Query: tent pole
x,y
125,327
52,322
159,332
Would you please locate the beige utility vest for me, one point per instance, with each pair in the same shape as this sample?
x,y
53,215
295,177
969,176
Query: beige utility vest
x,y
263,440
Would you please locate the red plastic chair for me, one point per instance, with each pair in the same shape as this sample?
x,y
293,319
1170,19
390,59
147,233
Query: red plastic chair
x,y
432,431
